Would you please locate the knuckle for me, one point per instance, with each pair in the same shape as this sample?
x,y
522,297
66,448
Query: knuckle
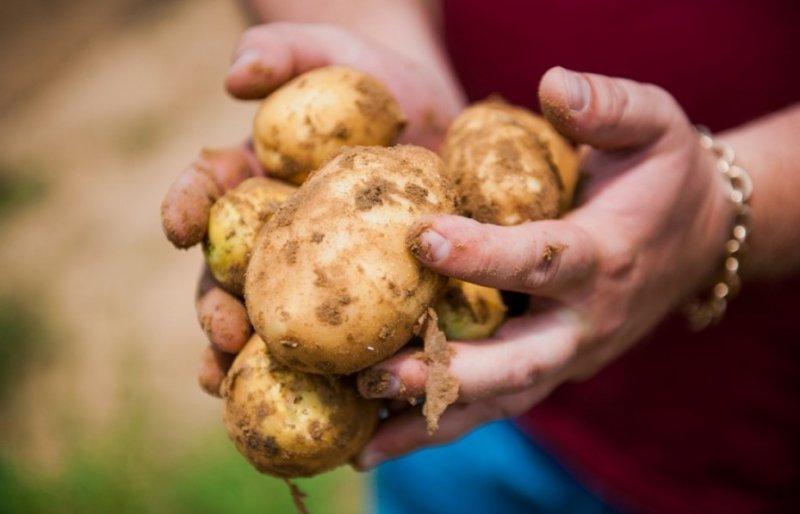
x,y
616,106
620,261
543,269
543,264
627,105
525,374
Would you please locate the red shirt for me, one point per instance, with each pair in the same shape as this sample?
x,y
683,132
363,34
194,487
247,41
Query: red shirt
x,y
684,422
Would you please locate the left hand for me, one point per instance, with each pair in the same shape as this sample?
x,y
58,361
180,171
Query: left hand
x,y
647,233
267,56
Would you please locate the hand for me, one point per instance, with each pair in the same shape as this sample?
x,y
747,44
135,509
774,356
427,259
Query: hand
x,y
266,57
647,233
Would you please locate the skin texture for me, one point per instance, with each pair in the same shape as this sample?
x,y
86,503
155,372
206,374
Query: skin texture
x,y
646,232
331,287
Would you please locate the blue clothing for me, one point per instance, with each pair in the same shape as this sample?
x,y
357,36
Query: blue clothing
x,y
494,469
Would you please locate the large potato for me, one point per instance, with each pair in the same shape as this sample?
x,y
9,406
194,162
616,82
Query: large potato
x,y
508,165
293,424
331,286
233,223
305,122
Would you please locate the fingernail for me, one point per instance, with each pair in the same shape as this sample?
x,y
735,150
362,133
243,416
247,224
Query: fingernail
x,y
379,383
370,459
244,60
431,246
578,90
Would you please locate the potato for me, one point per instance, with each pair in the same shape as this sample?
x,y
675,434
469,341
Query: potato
x,y
305,122
469,311
233,223
293,424
508,165
331,286
562,155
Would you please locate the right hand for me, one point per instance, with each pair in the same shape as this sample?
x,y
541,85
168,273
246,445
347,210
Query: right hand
x,y
266,57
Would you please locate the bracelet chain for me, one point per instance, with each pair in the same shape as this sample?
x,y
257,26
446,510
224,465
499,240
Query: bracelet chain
x,y
709,309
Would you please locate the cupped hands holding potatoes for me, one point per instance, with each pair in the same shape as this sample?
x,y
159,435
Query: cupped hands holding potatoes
x,y
642,236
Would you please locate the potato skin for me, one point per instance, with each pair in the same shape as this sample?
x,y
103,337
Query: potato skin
x,y
508,165
333,288
469,311
233,223
292,424
305,122
562,155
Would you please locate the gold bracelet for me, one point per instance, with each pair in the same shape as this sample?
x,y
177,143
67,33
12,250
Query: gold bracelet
x,y
709,309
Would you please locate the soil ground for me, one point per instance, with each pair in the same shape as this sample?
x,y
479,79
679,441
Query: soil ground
x,y
102,104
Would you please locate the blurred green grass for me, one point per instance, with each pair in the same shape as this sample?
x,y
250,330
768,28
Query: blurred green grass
x,y
22,340
20,185
119,475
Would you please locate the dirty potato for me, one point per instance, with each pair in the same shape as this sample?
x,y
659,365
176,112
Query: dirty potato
x,y
469,311
562,155
301,125
293,424
333,288
508,165
233,223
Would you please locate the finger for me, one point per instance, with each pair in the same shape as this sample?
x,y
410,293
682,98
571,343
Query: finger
x,y
407,431
526,352
269,55
606,113
214,365
544,257
184,210
222,316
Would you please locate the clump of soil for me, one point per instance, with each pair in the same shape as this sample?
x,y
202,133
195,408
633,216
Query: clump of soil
x,y
441,388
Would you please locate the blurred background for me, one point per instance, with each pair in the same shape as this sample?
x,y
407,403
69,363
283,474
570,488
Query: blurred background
x,y
102,104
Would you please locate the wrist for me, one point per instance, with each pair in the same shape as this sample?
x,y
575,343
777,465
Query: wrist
x,y
709,307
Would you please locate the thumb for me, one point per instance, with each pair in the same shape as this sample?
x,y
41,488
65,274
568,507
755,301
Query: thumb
x,y
604,112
